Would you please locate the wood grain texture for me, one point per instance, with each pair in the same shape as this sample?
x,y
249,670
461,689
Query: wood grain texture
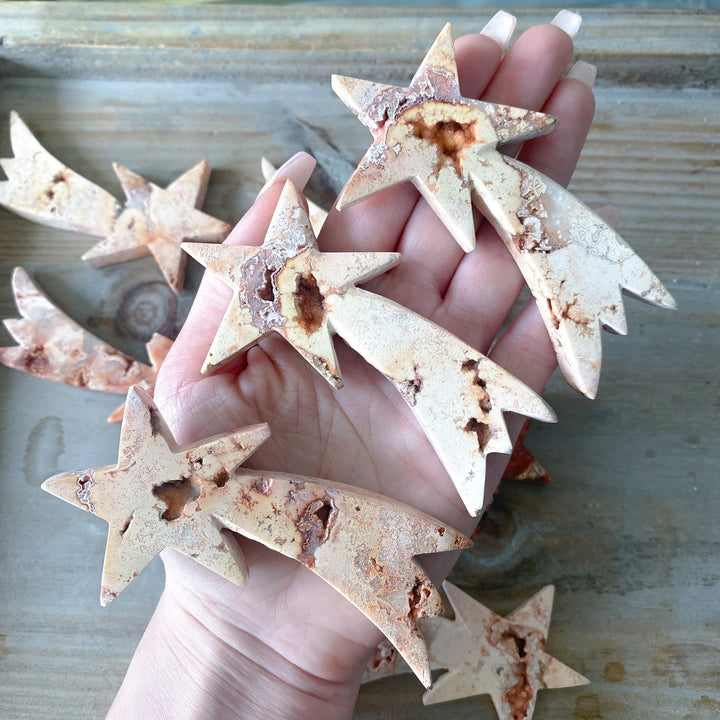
x,y
626,530
260,42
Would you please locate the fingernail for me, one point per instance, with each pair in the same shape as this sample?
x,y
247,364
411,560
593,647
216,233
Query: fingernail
x,y
584,72
298,169
500,28
568,21
267,168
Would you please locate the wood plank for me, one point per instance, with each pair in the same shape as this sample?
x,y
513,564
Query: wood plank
x,y
261,43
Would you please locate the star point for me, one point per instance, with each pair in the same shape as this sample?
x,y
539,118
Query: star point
x,y
316,214
439,60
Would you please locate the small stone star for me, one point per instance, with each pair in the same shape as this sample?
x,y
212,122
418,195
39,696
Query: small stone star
x,y
281,286
52,346
152,221
156,221
501,656
150,499
427,133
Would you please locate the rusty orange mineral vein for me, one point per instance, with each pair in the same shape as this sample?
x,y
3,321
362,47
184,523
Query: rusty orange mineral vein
x,y
502,656
152,220
574,263
162,495
54,347
288,286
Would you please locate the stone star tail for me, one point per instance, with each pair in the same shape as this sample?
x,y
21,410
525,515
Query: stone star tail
x,y
457,394
43,190
359,542
576,266
54,347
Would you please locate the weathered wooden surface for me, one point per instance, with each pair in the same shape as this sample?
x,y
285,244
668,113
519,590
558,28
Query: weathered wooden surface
x,y
626,530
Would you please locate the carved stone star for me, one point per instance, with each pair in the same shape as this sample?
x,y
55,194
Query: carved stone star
x,y
281,287
574,263
156,221
161,495
287,286
501,656
152,221
427,133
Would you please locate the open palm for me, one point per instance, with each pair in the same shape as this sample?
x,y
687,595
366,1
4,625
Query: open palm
x,y
289,623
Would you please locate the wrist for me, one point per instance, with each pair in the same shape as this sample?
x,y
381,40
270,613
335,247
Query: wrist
x,y
184,670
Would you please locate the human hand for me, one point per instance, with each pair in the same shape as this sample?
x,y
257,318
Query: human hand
x,y
286,643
